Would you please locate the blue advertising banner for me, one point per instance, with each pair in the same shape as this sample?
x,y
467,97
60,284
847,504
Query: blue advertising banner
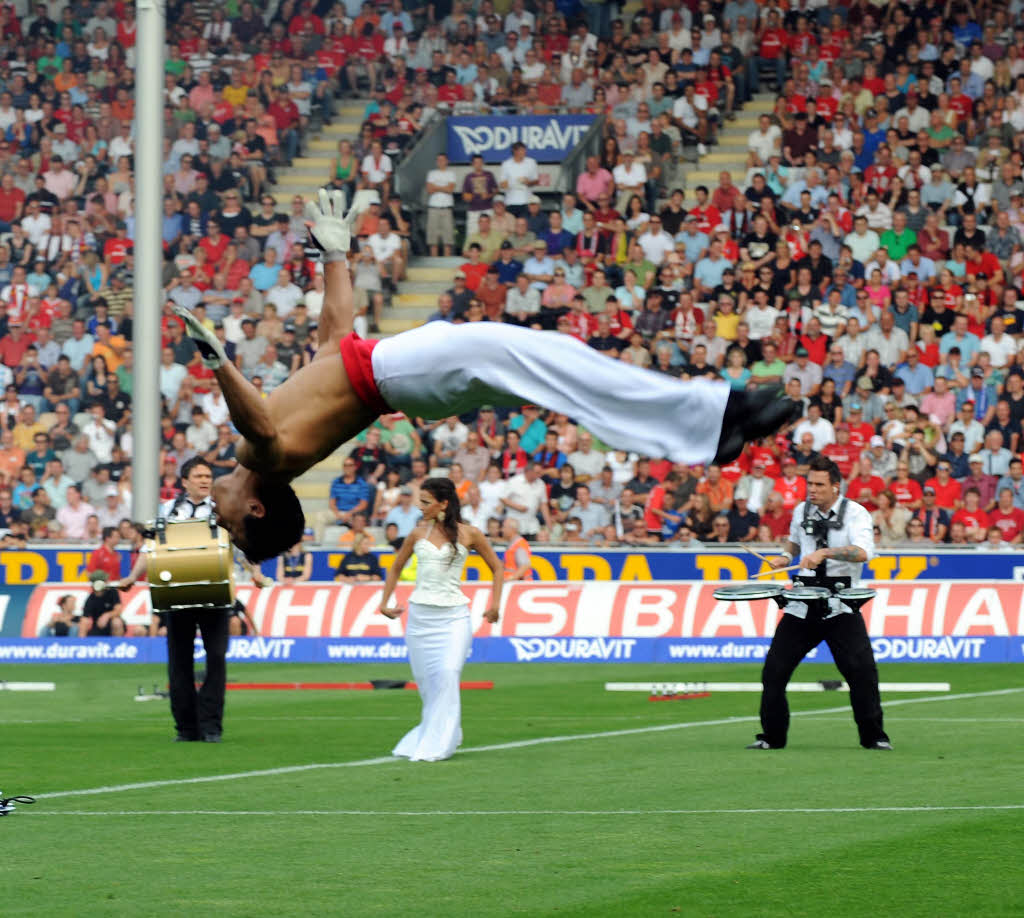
x,y
996,649
548,138
66,564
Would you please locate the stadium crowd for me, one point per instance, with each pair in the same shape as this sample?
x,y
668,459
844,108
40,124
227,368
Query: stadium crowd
x,y
870,259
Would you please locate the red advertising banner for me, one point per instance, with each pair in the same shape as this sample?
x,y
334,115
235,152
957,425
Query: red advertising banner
x,y
593,609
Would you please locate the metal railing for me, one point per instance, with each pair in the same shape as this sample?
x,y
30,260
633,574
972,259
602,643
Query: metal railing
x,y
573,164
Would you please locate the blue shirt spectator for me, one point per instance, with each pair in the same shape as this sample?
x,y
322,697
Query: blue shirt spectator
x,y
967,342
264,276
405,515
918,378
695,243
508,271
531,430
845,373
350,494
709,271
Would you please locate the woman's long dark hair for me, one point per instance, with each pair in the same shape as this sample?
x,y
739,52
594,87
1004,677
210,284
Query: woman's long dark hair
x,y
441,489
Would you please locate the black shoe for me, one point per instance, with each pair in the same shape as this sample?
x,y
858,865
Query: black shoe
x,y
761,744
211,737
752,415
883,744
186,738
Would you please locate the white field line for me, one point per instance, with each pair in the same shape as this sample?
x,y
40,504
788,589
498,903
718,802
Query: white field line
x,y
808,811
494,747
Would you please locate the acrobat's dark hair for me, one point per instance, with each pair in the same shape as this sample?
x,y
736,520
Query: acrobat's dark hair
x,y
279,528
442,489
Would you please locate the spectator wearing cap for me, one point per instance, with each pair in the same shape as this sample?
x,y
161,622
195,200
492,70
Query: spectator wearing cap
x,y
809,374
980,394
508,268
977,480
882,459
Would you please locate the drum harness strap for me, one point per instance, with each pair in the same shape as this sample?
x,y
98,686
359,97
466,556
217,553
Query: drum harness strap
x,y
819,528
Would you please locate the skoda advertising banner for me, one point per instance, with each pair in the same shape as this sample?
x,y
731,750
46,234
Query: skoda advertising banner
x,y
667,622
66,564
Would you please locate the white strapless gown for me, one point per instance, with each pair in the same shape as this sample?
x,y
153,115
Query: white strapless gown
x,y
439,639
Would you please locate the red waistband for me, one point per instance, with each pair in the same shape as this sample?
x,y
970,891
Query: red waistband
x,y
356,356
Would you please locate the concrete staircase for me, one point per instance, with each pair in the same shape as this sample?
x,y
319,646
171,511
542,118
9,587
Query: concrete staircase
x,y
730,153
311,171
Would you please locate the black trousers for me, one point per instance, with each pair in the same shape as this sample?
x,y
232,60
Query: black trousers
x,y
197,714
847,638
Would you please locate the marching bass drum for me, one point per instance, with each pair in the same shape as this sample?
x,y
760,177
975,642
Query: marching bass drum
x,y
190,565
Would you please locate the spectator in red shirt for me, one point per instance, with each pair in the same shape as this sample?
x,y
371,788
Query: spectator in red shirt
x,y
214,243
843,453
450,91
106,557
12,202
288,121
776,517
771,51
118,247
974,519
791,486
906,491
14,344
1007,518
865,486
946,488
474,269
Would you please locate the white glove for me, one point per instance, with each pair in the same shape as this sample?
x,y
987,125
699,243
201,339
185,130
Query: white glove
x,y
210,349
329,227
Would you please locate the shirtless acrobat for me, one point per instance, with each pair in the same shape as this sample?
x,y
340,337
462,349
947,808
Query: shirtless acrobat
x,y
439,370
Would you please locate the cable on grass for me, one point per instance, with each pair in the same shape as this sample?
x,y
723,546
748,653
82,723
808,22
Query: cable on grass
x,y
7,803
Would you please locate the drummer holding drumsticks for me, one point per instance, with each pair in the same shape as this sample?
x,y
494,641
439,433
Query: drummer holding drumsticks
x,y
832,537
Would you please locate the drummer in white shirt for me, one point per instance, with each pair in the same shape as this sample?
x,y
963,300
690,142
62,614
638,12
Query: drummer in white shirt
x,y
832,536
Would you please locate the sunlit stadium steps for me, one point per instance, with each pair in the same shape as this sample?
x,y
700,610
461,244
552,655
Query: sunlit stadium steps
x,y
729,154
327,142
312,171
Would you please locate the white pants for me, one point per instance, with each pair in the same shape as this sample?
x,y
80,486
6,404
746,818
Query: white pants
x,y
440,369
439,641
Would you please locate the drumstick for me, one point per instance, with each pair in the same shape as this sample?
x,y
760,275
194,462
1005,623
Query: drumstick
x,y
777,570
759,557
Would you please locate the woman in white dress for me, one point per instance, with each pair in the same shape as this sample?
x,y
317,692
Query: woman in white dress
x,y
438,632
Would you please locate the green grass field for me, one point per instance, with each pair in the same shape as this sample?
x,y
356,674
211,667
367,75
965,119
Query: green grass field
x,y
608,804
